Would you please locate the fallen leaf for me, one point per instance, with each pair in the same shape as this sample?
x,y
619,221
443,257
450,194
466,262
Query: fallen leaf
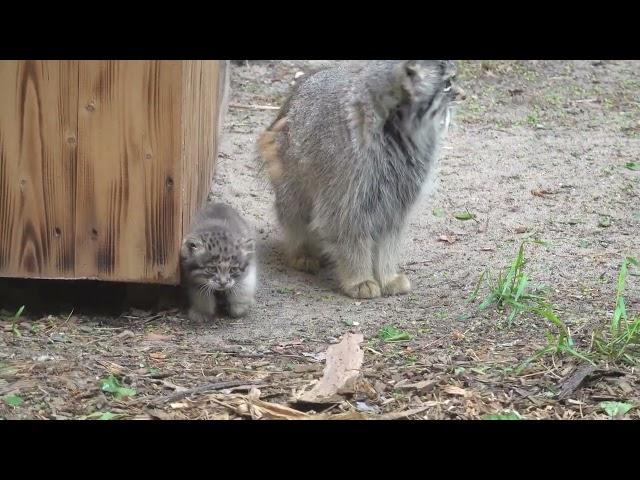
x,y
457,336
633,166
438,212
13,400
453,390
407,413
158,355
276,411
604,221
351,415
156,337
614,409
424,386
392,334
344,360
103,416
513,415
447,238
112,385
522,229
464,216
126,334
542,193
364,407
173,386
179,405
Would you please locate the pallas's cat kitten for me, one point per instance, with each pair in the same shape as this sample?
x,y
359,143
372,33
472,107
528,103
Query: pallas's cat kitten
x,y
218,263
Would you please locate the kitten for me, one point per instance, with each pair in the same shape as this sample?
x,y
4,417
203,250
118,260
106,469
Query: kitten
x,y
348,156
218,263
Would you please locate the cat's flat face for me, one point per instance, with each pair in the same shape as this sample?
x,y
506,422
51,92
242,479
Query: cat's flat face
x,y
215,260
433,89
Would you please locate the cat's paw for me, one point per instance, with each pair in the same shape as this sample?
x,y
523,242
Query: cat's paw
x,y
305,263
366,289
398,285
199,317
239,309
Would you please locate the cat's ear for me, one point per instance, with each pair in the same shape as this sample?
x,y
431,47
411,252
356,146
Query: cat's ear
x,y
191,246
248,246
416,74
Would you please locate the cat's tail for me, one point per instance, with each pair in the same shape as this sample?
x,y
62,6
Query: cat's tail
x,y
270,148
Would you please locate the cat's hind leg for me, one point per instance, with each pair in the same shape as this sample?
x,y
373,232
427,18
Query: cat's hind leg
x,y
353,266
386,265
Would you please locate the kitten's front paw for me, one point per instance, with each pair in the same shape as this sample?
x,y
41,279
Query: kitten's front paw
x,y
305,263
366,289
239,309
199,317
398,285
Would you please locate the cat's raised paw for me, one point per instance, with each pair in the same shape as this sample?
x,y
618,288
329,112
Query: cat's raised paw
x,y
366,289
398,285
306,264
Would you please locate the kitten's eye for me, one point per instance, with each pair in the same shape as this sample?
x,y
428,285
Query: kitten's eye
x,y
192,246
447,85
235,269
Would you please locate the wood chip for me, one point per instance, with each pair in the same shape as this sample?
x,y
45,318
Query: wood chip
x,y
344,360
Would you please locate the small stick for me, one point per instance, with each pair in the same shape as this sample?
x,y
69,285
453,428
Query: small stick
x,y
202,389
253,107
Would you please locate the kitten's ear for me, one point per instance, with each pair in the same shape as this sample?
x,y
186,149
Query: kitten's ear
x,y
191,246
248,246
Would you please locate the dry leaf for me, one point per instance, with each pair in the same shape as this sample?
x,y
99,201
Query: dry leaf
x,y
457,336
522,230
542,193
453,390
126,334
273,410
254,394
344,360
350,415
173,386
156,337
177,405
425,386
158,355
407,413
447,238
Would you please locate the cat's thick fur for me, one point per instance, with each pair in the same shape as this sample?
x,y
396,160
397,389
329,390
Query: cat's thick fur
x,y
348,155
218,263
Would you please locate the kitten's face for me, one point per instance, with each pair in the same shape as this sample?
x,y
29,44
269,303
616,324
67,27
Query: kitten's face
x,y
215,260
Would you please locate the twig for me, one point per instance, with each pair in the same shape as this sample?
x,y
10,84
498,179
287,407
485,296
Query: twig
x,y
211,387
253,107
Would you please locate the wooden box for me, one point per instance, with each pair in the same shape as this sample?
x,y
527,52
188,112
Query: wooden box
x,y
103,164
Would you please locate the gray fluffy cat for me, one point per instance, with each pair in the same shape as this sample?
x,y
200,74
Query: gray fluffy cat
x,y
348,155
218,263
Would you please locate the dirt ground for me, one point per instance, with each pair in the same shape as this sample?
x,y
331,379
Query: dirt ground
x,y
536,152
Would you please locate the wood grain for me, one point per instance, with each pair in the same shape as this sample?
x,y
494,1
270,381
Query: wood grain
x,y
38,140
128,166
103,164
204,85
